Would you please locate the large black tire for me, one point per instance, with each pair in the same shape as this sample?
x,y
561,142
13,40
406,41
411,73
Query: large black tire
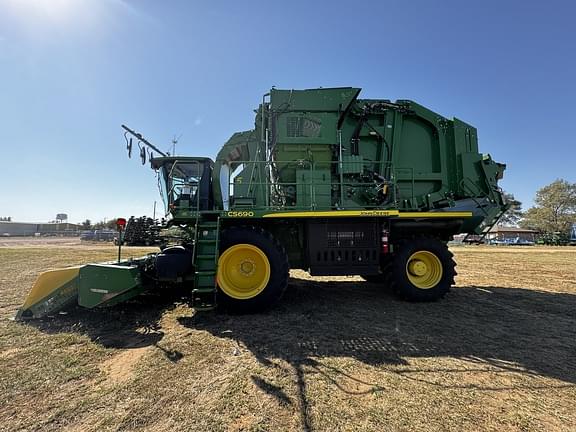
x,y
433,285
278,270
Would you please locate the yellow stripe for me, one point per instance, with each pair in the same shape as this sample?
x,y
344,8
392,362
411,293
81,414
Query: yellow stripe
x,y
336,213
368,213
435,214
49,282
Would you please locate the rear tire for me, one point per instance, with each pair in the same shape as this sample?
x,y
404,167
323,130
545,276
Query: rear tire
x,y
253,270
422,269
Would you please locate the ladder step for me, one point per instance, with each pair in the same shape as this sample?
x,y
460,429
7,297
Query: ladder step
x,y
207,224
203,291
206,256
205,308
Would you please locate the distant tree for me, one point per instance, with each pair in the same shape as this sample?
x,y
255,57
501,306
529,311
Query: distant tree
x,y
111,224
514,213
105,224
87,224
555,209
99,225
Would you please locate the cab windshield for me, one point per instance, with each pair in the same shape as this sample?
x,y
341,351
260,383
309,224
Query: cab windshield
x,y
179,182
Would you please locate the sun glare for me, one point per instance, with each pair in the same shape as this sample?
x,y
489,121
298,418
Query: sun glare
x,y
51,10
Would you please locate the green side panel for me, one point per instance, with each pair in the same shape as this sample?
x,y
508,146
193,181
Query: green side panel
x,y
418,158
313,189
466,137
242,188
327,99
107,284
301,157
237,148
419,146
307,128
472,183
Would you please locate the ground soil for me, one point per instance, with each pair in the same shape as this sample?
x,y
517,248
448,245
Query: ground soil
x,y
44,241
498,353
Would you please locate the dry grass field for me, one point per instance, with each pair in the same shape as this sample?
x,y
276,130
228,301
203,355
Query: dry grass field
x,y
499,354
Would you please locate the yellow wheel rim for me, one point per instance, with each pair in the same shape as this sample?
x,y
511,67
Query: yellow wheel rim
x,y
243,271
424,269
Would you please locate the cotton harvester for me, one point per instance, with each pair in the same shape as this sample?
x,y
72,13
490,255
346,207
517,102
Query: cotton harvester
x,y
325,182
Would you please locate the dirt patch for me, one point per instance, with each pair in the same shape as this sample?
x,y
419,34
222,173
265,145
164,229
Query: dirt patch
x,y
10,352
122,367
38,241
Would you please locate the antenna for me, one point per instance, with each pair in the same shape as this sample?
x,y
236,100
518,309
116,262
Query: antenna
x,y
174,142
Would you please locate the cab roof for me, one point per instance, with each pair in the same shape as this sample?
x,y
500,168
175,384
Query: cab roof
x,y
157,162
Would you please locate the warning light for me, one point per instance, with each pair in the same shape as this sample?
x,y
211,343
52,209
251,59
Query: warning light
x,y
120,223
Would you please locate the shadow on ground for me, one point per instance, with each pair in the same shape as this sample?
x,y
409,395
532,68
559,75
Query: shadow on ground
x,y
133,324
533,329
506,329
510,329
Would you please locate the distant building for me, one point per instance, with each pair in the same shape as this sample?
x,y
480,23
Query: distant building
x,y
511,235
8,229
61,217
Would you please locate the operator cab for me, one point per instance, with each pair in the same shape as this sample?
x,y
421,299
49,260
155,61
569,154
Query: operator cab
x,y
185,184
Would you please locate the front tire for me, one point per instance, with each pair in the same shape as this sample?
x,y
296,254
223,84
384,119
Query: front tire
x,y
252,270
422,269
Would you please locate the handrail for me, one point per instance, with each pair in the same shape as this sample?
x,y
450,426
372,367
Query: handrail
x,y
268,188
275,191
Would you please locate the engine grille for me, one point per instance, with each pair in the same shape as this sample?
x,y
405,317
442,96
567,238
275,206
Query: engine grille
x,y
343,248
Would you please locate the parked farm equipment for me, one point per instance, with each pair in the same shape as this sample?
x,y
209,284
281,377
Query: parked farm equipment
x,y
325,182
142,231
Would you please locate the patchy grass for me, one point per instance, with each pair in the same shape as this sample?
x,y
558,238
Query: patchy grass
x,y
499,353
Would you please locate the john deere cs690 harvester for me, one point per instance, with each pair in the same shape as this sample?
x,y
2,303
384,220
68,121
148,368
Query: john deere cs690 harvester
x,y
325,182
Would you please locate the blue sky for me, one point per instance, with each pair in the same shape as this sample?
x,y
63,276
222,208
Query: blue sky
x,y
72,71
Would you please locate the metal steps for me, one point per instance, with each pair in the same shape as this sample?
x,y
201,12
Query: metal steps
x,y
206,264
